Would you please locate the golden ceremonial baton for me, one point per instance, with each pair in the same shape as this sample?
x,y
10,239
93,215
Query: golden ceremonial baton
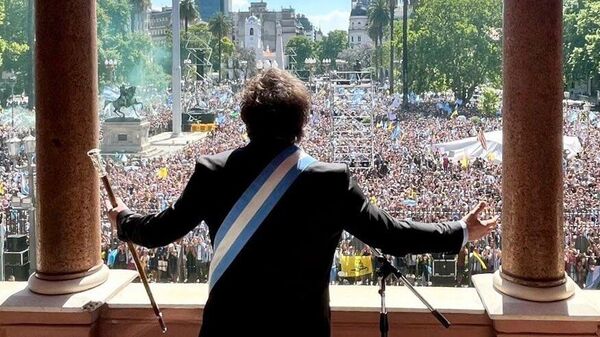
x,y
98,165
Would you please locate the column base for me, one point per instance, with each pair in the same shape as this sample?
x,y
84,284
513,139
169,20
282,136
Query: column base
x,y
536,294
59,287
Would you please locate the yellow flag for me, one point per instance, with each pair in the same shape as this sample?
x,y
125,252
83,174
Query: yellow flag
x,y
1,188
491,156
163,172
354,266
464,163
478,257
373,200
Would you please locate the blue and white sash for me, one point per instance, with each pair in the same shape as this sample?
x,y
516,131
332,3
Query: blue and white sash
x,y
255,204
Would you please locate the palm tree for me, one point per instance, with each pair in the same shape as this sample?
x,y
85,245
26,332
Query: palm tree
x,y
372,31
219,26
138,9
379,18
188,12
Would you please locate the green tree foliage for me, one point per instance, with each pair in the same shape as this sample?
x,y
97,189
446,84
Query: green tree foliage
x,y
379,19
138,10
333,44
489,102
135,60
303,47
361,53
227,50
581,40
220,26
133,51
15,54
454,45
113,17
248,55
188,12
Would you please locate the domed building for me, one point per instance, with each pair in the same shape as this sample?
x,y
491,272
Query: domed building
x,y
359,23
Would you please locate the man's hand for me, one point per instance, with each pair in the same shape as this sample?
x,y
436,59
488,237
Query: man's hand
x,y
114,211
479,228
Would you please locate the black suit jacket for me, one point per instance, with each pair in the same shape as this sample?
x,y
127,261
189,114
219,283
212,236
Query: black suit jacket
x,y
280,279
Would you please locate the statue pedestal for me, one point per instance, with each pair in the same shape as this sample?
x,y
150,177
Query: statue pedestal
x,y
125,135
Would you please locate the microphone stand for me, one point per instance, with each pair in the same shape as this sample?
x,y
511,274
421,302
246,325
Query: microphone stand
x,y
384,271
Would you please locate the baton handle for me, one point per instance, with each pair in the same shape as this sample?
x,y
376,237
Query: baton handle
x,y
136,260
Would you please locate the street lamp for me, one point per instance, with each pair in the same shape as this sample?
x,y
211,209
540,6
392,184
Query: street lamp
x,y
14,147
10,77
244,65
111,64
326,63
310,63
14,150
29,143
587,107
188,66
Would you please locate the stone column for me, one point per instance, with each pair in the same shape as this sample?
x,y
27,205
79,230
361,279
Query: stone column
x,y
68,202
532,188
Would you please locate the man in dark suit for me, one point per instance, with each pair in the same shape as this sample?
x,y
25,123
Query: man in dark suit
x,y
272,287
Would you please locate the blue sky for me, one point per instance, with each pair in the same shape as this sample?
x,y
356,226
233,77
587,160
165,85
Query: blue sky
x,y
328,14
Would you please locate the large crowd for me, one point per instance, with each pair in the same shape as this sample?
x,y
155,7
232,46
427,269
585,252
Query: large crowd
x,y
409,179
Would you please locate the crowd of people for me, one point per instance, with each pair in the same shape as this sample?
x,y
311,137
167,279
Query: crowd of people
x,y
409,179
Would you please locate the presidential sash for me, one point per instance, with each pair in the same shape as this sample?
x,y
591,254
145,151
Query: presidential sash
x,y
255,204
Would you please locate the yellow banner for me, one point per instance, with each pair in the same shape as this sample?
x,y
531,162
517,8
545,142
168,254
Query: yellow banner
x,y
478,257
163,172
354,266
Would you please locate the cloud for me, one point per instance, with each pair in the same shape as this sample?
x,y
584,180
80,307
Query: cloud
x,y
336,19
239,5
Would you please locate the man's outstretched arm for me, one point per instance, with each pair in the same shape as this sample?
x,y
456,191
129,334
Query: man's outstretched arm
x,y
399,237
160,229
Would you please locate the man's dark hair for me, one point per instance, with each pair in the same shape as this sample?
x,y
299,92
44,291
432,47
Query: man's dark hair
x,y
275,105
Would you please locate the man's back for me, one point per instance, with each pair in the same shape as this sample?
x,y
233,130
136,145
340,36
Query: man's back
x,y
278,284
281,276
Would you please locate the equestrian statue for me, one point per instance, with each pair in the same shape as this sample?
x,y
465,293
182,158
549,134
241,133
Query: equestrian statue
x,y
126,100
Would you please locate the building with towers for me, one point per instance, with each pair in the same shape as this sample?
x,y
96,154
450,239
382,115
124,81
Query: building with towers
x,y
358,27
268,31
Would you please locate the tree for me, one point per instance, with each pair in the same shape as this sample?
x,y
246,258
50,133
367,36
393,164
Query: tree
x,y
219,26
392,4
14,47
138,13
361,53
249,56
581,40
303,47
188,12
333,44
379,18
455,45
113,18
227,49
489,103
133,52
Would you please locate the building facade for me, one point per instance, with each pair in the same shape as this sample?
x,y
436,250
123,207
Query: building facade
x,y
276,29
209,8
160,25
358,27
